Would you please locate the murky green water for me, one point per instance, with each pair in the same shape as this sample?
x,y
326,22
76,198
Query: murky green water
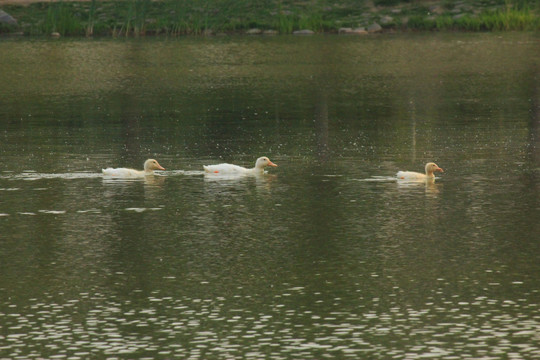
x,y
326,256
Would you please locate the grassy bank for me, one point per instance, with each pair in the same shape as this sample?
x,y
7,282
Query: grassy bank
x,y
183,17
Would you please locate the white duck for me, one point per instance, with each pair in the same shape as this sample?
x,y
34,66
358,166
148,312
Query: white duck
x,y
230,169
415,176
149,166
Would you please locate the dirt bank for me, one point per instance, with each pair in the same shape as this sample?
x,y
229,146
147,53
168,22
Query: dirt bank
x,y
27,2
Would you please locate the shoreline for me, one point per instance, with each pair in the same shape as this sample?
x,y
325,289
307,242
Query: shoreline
x,y
218,17
28,2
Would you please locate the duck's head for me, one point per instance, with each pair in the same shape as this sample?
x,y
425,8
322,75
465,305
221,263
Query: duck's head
x,y
152,164
431,168
263,162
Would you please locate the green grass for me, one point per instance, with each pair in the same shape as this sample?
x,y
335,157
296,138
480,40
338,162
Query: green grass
x,y
285,23
419,22
503,20
510,19
62,19
195,17
6,29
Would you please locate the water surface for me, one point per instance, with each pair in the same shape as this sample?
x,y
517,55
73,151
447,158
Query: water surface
x,y
325,256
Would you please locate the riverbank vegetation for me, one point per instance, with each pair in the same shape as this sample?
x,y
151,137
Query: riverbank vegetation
x,y
208,17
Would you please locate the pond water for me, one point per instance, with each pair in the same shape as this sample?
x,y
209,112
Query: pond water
x,y
325,256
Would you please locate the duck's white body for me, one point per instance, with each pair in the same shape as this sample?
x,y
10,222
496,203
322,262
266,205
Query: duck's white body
x,y
411,176
416,176
226,169
149,166
125,172
230,169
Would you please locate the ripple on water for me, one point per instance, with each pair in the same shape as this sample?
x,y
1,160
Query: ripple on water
x,y
32,176
200,328
140,210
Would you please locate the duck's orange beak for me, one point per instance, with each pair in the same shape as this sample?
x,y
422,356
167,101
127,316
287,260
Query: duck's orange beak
x,y
271,164
160,167
439,169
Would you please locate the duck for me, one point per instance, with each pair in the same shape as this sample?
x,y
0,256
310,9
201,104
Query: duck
x,y
230,169
431,167
149,166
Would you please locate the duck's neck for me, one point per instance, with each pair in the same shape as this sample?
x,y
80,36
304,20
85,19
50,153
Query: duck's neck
x,y
148,170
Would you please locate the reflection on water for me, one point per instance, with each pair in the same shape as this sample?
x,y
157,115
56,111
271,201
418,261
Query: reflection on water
x,y
430,187
326,256
149,180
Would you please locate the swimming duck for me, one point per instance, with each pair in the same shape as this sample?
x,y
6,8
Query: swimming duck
x,y
230,169
149,166
415,176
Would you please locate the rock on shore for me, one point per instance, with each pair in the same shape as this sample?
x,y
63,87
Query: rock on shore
x,y
7,19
